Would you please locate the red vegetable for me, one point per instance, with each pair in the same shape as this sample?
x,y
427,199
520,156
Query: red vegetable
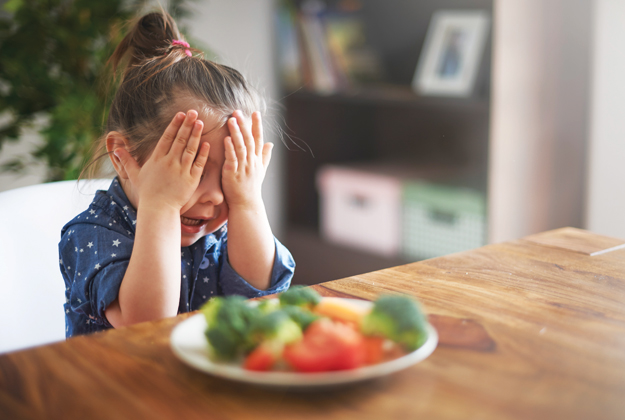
x,y
374,350
263,357
326,346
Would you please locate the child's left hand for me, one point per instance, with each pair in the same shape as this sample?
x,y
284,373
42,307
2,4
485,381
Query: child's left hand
x,y
246,160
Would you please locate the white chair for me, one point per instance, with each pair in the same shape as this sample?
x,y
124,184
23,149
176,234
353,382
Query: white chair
x,y
32,291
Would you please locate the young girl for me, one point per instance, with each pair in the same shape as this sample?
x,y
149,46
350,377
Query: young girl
x,y
186,139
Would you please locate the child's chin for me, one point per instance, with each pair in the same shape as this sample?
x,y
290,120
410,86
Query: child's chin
x,y
189,239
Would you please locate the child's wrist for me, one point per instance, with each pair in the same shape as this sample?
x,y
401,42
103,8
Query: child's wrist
x,y
156,203
157,211
252,206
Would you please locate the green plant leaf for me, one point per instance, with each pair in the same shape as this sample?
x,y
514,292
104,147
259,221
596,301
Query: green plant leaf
x,y
12,5
54,55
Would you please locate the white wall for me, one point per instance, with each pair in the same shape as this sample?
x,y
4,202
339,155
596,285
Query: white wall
x,y
606,180
539,116
35,173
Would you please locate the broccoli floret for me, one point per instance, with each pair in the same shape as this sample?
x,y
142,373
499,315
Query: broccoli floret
x,y
397,318
300,296
223,344
276,326
270,305
302,317
229,321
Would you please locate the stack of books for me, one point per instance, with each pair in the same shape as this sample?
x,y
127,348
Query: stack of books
x,y
324,49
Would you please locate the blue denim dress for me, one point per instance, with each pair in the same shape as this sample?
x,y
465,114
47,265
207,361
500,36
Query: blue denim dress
x,y
95,249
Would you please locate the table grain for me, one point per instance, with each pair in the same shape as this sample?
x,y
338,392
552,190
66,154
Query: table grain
x,y
529,329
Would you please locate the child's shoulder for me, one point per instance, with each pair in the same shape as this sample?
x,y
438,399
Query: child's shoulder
x,y
110,210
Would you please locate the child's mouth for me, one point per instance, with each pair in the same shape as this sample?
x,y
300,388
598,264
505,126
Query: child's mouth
x,y
192,222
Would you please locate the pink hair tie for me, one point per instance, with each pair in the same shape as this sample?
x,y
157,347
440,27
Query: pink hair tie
x,y
184,44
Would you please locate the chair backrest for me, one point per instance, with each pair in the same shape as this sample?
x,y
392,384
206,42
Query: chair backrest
x,y
32,291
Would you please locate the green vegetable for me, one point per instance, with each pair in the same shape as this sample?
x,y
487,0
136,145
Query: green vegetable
x,y
397,318
300,296
269,305
276,326
302,317
229,322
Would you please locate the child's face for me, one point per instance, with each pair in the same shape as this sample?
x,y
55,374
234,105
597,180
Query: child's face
x,y
207,210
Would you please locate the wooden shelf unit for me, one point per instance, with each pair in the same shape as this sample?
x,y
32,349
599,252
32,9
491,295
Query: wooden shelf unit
x,y
382,122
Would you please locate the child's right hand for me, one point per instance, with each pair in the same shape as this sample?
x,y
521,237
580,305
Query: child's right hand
x,y
172,173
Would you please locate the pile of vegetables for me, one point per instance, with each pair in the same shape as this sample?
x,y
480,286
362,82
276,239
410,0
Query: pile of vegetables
x,y
303,332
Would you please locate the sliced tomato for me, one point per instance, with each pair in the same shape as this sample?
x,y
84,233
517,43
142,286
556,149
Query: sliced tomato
x,y
326,346
374,349
263,357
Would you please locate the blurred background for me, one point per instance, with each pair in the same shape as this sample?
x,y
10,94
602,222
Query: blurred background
x,y
405,129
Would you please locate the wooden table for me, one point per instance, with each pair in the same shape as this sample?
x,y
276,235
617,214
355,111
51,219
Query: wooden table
x,y
529,329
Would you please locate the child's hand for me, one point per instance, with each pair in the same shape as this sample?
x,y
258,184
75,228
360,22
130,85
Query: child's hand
x,y
172,173
246,161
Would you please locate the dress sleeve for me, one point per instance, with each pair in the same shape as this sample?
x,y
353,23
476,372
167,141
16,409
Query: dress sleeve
x,y
281,274
94,260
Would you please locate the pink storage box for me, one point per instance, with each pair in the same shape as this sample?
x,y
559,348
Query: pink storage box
x,y
360,209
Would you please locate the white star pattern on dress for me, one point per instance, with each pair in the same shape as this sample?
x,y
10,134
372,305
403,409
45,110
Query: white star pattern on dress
x,y
90,244
116,242
92,211
81,250
205,279
125,207
113,255
97,266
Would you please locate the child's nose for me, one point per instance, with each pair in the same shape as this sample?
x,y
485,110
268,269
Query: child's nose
x,y
211,193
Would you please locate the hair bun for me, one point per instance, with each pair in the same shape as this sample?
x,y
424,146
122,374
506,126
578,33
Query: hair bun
x,y
149,37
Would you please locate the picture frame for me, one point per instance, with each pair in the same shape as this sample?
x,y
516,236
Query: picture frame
x,y
452,53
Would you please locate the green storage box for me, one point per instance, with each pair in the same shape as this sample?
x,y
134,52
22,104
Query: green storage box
x,y
440,220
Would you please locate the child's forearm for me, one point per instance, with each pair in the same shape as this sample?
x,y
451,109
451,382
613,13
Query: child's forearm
x,y
251,247
151,286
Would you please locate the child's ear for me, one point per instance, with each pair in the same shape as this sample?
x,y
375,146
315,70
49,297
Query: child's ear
x,y
114,140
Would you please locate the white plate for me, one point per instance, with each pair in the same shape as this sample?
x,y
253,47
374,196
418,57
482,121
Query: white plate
x,y
189,344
